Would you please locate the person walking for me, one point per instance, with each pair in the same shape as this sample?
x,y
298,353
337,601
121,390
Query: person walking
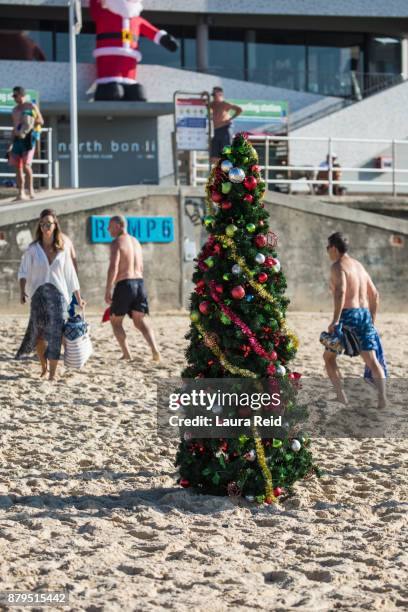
x,y
356,302
48,278
26,118
125,292
222,120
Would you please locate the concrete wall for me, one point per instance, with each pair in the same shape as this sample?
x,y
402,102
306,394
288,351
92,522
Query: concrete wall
x,y
301,224
382,116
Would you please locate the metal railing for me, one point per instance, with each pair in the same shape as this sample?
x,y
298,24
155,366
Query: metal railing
x,y
45,159
308,175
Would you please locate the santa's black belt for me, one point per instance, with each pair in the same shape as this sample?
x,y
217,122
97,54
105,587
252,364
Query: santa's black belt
x,y
115,35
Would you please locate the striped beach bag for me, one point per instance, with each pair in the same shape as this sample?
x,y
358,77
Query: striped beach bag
x,y
77,341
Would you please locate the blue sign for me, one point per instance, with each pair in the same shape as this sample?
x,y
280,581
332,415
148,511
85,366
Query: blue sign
x,y
145,229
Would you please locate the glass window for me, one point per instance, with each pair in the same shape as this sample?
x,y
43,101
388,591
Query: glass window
x,y
328,71
275,63
156,54
384,55
85,43
31,45
226,55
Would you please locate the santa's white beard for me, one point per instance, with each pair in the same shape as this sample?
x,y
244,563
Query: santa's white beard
x,y
124,8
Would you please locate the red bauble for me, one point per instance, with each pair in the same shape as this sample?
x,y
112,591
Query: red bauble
x,y
262,277
217,248
184,483
260,240
219,288
270,261
255,168
200,286
248,198
226,205
238,292
204,307
224,446
267,329
250,183
216,196
277,491
271,369
273,356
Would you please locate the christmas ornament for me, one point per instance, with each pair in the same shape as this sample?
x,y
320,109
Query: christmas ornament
x,y
195,316
226,276
238,292
250,455
269,262
209,262
262,277
184,483
216,196
204,307
227,205
272,239
226,166
281,370
296,446
250,183
248,198
260,258
276,443
277,491
236,175
271,369
219,288
272,356
255,168
224,319
236,269
227,150
200,286
276,267
260,240
230,230
216,409
209,220
250,227
226,188
249,297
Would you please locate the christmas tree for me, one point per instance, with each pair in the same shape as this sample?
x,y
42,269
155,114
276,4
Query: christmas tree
x,y
238,330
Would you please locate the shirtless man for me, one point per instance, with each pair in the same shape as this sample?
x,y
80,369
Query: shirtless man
x,y
355,306
125,292
25,117
222,118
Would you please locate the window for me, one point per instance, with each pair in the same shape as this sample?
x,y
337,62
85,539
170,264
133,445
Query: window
x,y
226,53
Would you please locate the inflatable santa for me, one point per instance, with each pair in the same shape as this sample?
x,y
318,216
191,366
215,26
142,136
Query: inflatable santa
x,y
118,29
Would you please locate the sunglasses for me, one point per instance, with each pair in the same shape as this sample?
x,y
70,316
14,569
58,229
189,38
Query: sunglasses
x,y
46,225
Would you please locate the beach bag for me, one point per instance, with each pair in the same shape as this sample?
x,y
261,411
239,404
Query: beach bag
x,y
78,344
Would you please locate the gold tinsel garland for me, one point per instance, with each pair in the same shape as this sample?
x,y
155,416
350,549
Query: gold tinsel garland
x,y
260,453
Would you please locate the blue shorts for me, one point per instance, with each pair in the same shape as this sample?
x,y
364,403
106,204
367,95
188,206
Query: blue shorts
x,y
360,322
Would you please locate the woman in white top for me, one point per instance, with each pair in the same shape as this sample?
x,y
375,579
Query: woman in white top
x,y
47,276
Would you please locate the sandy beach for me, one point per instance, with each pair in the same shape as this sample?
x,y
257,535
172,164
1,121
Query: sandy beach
x,y
88,501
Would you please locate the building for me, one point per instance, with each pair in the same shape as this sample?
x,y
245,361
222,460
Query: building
x,y
312,53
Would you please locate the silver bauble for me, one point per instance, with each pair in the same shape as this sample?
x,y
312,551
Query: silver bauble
x,y
226,166
280,370
296,446
236,269
236,175
260,258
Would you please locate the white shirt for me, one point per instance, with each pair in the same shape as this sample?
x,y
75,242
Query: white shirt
x,y
37,271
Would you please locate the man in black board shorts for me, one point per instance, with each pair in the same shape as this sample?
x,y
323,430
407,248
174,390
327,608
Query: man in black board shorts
x,y
125,291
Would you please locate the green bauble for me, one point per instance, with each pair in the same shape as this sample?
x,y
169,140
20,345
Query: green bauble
x,y
230,230
226,276
209,261
227,150
245,160
195,316
226,188
250,227
276,443
224,319
209,220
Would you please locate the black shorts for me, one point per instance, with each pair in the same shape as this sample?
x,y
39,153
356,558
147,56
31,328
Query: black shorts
x,y
221,139
129,294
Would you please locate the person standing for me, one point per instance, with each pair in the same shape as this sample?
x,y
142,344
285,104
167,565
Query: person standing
x,y
125,291
47,277
222,119
356,302
26,117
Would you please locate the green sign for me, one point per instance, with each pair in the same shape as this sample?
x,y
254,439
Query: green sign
x,y
7,102
261,117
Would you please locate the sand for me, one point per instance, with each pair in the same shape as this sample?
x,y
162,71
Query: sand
x,y
88,501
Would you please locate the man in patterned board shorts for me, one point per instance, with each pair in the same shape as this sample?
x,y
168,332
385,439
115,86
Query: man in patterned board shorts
x,y
125,291
355,307
26,117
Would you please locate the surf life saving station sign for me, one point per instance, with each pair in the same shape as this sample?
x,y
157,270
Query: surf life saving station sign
x,y
145,229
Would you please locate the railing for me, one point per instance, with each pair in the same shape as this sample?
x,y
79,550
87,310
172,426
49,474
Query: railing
x,y
307,175
44,160
331,183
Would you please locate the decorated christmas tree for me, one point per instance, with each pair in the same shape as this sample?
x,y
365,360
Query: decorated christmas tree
x,y
238,330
